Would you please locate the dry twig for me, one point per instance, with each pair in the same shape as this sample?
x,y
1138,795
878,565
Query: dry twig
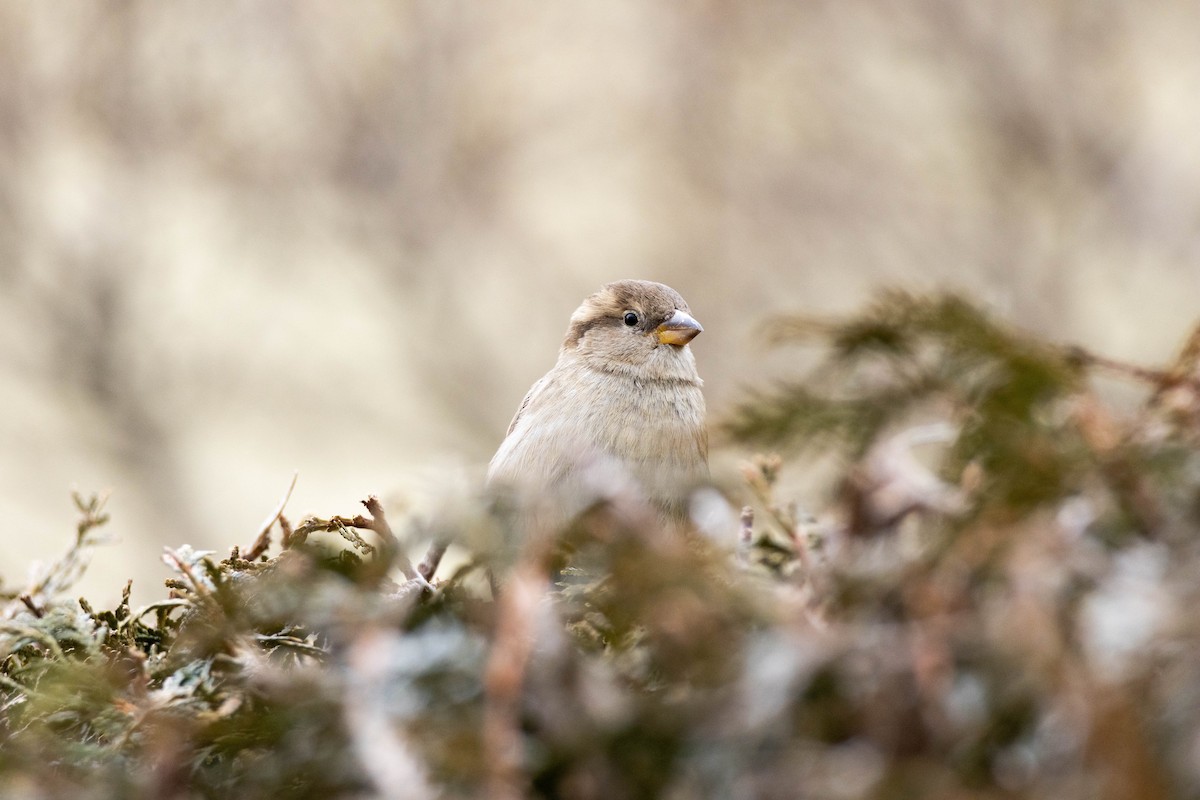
x,y
263,540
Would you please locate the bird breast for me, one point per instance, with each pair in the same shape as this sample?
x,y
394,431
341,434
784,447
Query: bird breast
x,y
653,429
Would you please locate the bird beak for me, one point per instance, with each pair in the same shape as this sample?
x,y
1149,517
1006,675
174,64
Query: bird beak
x,y
678,330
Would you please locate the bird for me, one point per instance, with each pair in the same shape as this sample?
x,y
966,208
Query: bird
x,y
622,406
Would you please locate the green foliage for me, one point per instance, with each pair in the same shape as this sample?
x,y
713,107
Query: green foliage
x,y
1008,616
909,354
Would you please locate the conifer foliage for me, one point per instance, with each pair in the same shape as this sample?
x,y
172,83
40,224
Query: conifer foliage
x,y
994,599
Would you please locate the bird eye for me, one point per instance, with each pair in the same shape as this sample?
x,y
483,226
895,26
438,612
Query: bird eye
x,y
631,318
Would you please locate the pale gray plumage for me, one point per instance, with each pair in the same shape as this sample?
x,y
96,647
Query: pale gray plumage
x,y
624,397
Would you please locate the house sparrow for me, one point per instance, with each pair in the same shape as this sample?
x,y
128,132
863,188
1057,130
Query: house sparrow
x,y
621,406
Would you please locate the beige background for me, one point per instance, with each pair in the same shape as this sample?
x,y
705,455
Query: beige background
x,y
243,238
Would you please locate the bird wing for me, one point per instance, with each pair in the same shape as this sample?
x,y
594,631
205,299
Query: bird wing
x,y
533,391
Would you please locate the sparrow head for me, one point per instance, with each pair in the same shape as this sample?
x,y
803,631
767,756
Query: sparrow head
x,y
639,327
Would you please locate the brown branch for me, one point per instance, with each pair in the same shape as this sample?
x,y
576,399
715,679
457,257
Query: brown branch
x,y
1160,378
286,533
378,523
263,541
433,557
504,680
32,606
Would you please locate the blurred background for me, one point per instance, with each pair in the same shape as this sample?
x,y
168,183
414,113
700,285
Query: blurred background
x,y
239,239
